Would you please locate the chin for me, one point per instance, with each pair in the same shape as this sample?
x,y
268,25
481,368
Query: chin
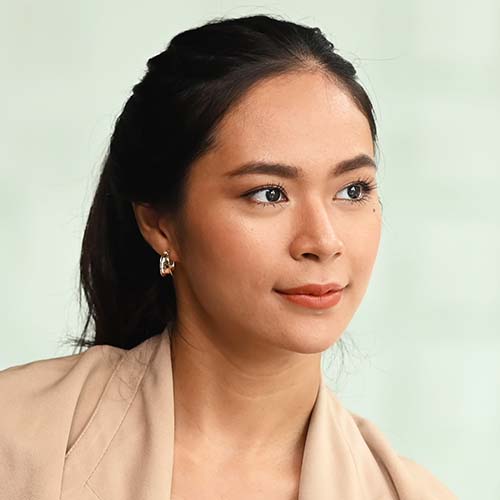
x,y
312,340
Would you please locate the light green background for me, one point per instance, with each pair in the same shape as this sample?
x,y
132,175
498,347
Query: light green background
x,y
425,363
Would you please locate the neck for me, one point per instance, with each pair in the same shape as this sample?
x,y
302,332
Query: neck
x,y
234,409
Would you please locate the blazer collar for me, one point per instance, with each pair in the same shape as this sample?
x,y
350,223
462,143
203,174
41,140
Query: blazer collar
x,y
131,436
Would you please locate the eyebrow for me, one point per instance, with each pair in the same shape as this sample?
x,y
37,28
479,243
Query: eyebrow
x,y
293,172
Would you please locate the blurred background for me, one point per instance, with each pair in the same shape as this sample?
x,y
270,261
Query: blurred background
x,y
423,350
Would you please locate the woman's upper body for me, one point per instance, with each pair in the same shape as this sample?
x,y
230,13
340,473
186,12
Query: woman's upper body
x,y
100,425
245,158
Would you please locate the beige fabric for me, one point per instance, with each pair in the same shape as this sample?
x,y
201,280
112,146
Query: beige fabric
x,y
100,426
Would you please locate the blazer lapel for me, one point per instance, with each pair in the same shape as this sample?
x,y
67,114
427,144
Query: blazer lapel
x,y
328,469
337,462
126,452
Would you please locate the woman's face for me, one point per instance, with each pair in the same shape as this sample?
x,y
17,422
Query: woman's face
x,y
234,253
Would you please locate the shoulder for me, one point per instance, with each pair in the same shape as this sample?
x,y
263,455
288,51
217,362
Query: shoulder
x,y
46,406
425,477
45,378
46,372
369,444
34,394
410,478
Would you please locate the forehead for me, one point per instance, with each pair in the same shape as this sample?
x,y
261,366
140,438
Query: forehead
x,y
302,118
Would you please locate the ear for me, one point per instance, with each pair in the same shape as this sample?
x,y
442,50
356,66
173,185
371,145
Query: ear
x,y
156,229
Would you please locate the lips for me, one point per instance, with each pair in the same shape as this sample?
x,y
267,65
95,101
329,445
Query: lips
x,y
312,289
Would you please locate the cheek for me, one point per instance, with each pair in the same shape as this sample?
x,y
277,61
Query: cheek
x,y
229,246
230,261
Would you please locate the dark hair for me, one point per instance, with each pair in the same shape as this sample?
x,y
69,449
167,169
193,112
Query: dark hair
x,y
169,121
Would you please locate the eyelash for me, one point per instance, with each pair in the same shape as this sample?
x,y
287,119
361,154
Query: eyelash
x,y
367,185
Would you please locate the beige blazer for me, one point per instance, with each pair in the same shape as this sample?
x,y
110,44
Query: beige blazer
x,y
99,425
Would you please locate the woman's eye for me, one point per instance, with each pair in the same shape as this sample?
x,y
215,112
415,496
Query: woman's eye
x,y
268,195
354,191
359,191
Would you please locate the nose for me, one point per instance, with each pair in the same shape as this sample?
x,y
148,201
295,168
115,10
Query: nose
x,y
317,233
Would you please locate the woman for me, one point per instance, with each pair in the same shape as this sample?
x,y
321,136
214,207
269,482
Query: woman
x,y
245,161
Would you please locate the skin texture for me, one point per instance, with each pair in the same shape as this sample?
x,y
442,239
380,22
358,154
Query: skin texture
x,y
247,362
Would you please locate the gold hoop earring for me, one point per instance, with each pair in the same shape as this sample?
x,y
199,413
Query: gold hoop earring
x,y
166,264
